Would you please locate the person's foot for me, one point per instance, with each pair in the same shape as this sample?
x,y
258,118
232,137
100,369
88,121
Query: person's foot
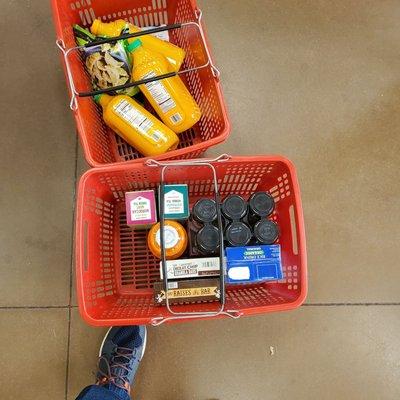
x,y
120,355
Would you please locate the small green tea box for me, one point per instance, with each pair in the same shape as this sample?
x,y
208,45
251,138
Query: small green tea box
x,y
176,201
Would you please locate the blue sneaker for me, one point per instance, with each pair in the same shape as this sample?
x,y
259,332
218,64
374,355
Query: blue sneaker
x,y
120,354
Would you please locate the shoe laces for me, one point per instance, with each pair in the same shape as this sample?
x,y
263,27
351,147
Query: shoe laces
x,y
117,368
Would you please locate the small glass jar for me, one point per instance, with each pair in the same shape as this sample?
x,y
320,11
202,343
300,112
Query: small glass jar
x,y
237,234
261,205
205,211
234,207
266,232
175,240
207,240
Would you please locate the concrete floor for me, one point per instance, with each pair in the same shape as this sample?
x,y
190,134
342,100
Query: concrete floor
x,y
319,80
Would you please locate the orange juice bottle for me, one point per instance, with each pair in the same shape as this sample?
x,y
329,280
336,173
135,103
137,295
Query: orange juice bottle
x,y
169,97
174,54
136,125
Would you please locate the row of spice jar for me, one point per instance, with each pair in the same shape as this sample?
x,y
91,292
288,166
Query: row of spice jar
x,y
198,232
243,222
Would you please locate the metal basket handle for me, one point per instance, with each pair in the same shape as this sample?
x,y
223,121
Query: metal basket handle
x,y
193,161
68,51
201,314
234,314
73,104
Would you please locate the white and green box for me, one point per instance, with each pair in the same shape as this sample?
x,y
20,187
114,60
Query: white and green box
x,y
176,202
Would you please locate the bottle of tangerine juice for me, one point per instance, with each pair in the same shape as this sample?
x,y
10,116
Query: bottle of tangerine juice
x,y
169,97
174,54
136,125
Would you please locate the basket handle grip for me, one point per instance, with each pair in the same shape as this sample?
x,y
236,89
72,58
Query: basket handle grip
x,y
234,314
154,163
215,71
294,230
73,105
85,246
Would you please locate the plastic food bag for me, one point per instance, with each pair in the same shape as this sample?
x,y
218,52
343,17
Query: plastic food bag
x,y
107,64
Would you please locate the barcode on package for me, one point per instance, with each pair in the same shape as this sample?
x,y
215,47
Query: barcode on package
x,y
159,93
157,136
136,119
192,268
208,264
172,285
176,118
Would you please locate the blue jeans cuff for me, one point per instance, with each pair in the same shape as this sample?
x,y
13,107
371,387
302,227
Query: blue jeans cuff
x,y
95,392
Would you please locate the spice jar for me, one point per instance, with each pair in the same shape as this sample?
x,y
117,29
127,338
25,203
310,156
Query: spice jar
x,y
175,240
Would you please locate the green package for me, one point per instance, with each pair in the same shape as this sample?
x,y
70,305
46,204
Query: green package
x,y
176,202
108,64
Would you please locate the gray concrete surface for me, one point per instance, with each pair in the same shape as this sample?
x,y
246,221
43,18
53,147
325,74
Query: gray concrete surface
x,y
319,81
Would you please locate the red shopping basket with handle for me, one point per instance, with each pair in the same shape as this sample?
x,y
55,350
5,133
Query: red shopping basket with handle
x,y
115,271
100,144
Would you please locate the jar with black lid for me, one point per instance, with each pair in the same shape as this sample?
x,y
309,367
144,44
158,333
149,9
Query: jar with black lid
x,y
261,205
234,207
266,232
207,240
237,233
205,211
204,237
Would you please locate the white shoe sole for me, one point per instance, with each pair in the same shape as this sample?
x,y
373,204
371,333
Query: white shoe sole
x,y
104,340
144,344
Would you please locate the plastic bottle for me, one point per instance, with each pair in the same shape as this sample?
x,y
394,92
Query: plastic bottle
x,y
169,97
136,125
174,54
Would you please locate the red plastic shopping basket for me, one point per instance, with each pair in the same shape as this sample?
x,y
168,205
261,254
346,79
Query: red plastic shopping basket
x,y
115,271
100,144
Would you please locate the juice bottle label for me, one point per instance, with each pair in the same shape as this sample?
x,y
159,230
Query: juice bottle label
x,y
159,93
137,120
161,97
